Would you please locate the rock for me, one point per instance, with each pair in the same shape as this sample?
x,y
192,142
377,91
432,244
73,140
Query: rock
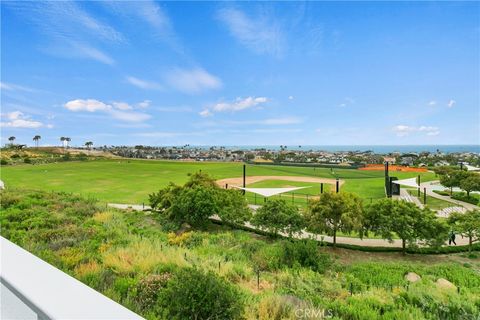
x,y
444,283
412,277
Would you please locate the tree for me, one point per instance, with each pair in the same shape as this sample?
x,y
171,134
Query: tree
x,y
194,294
233,206
452,178
63,139
89,144
467,224
165,198
68,139
201,179
387,218
334,212
471,183
199,199
277,215
36,139
11,139
194,206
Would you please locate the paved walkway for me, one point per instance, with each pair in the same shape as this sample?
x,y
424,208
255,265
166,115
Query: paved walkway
x,y
404,195
366,242
458,203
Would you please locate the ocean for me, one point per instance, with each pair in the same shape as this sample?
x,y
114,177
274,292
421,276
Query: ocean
x,y
379,149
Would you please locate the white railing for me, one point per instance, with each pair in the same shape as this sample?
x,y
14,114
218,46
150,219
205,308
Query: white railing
x,y
34,289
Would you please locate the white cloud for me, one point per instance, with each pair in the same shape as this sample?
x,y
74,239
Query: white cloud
x,y
432,103
122,106
92,53
404,130
237,105
152,14
451,103
15,87
144,84
144,104
17,119
268,122
192,81
290,97
90,105
260,34
118,110
205,113
69,28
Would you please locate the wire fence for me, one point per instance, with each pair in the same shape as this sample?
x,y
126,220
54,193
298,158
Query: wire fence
x,y
296,198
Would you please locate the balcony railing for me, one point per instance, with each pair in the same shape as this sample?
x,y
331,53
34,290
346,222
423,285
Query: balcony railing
x,y
34,289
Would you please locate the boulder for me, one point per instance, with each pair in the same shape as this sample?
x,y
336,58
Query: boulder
x,y
412,277
445,284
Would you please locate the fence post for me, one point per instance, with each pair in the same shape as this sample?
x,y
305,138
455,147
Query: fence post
x,y
351,288
258,279
424,195
321,187
218,266
255,197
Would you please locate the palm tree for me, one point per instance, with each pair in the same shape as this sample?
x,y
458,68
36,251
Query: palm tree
x,y
36,138
89,144
63,139
68,139
11,139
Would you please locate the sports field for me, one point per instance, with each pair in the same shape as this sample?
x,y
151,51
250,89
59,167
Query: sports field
x,y
131,181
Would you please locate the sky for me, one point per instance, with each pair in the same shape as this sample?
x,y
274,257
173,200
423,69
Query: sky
x,y
246,73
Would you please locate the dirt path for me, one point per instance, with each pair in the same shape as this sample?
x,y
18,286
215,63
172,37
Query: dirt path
x,y
238,182
366,242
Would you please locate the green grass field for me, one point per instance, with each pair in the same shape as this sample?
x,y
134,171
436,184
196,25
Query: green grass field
x,y
131,181
432,203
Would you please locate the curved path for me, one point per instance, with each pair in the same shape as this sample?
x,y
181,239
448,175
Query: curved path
x,y
238,182
366,242
430,193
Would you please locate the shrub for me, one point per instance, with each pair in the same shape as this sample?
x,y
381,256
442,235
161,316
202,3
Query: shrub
x,y
269,257
3,162
187,239
194,294
148,288
463,197
306,253
27,160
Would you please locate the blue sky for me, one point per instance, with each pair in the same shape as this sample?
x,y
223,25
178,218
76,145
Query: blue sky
x,y
207,73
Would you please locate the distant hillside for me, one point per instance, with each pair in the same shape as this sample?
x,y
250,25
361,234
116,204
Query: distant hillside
x,y
13,156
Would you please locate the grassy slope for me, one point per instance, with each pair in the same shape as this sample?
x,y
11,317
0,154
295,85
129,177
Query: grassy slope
x,y
113,251
130,181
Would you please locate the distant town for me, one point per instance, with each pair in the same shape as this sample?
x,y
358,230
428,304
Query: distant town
x,y
284,155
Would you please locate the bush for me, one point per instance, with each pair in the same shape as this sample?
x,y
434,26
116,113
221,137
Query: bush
x,y
3,162
270,257
148,288
306,253
27,160
465,198
194,294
